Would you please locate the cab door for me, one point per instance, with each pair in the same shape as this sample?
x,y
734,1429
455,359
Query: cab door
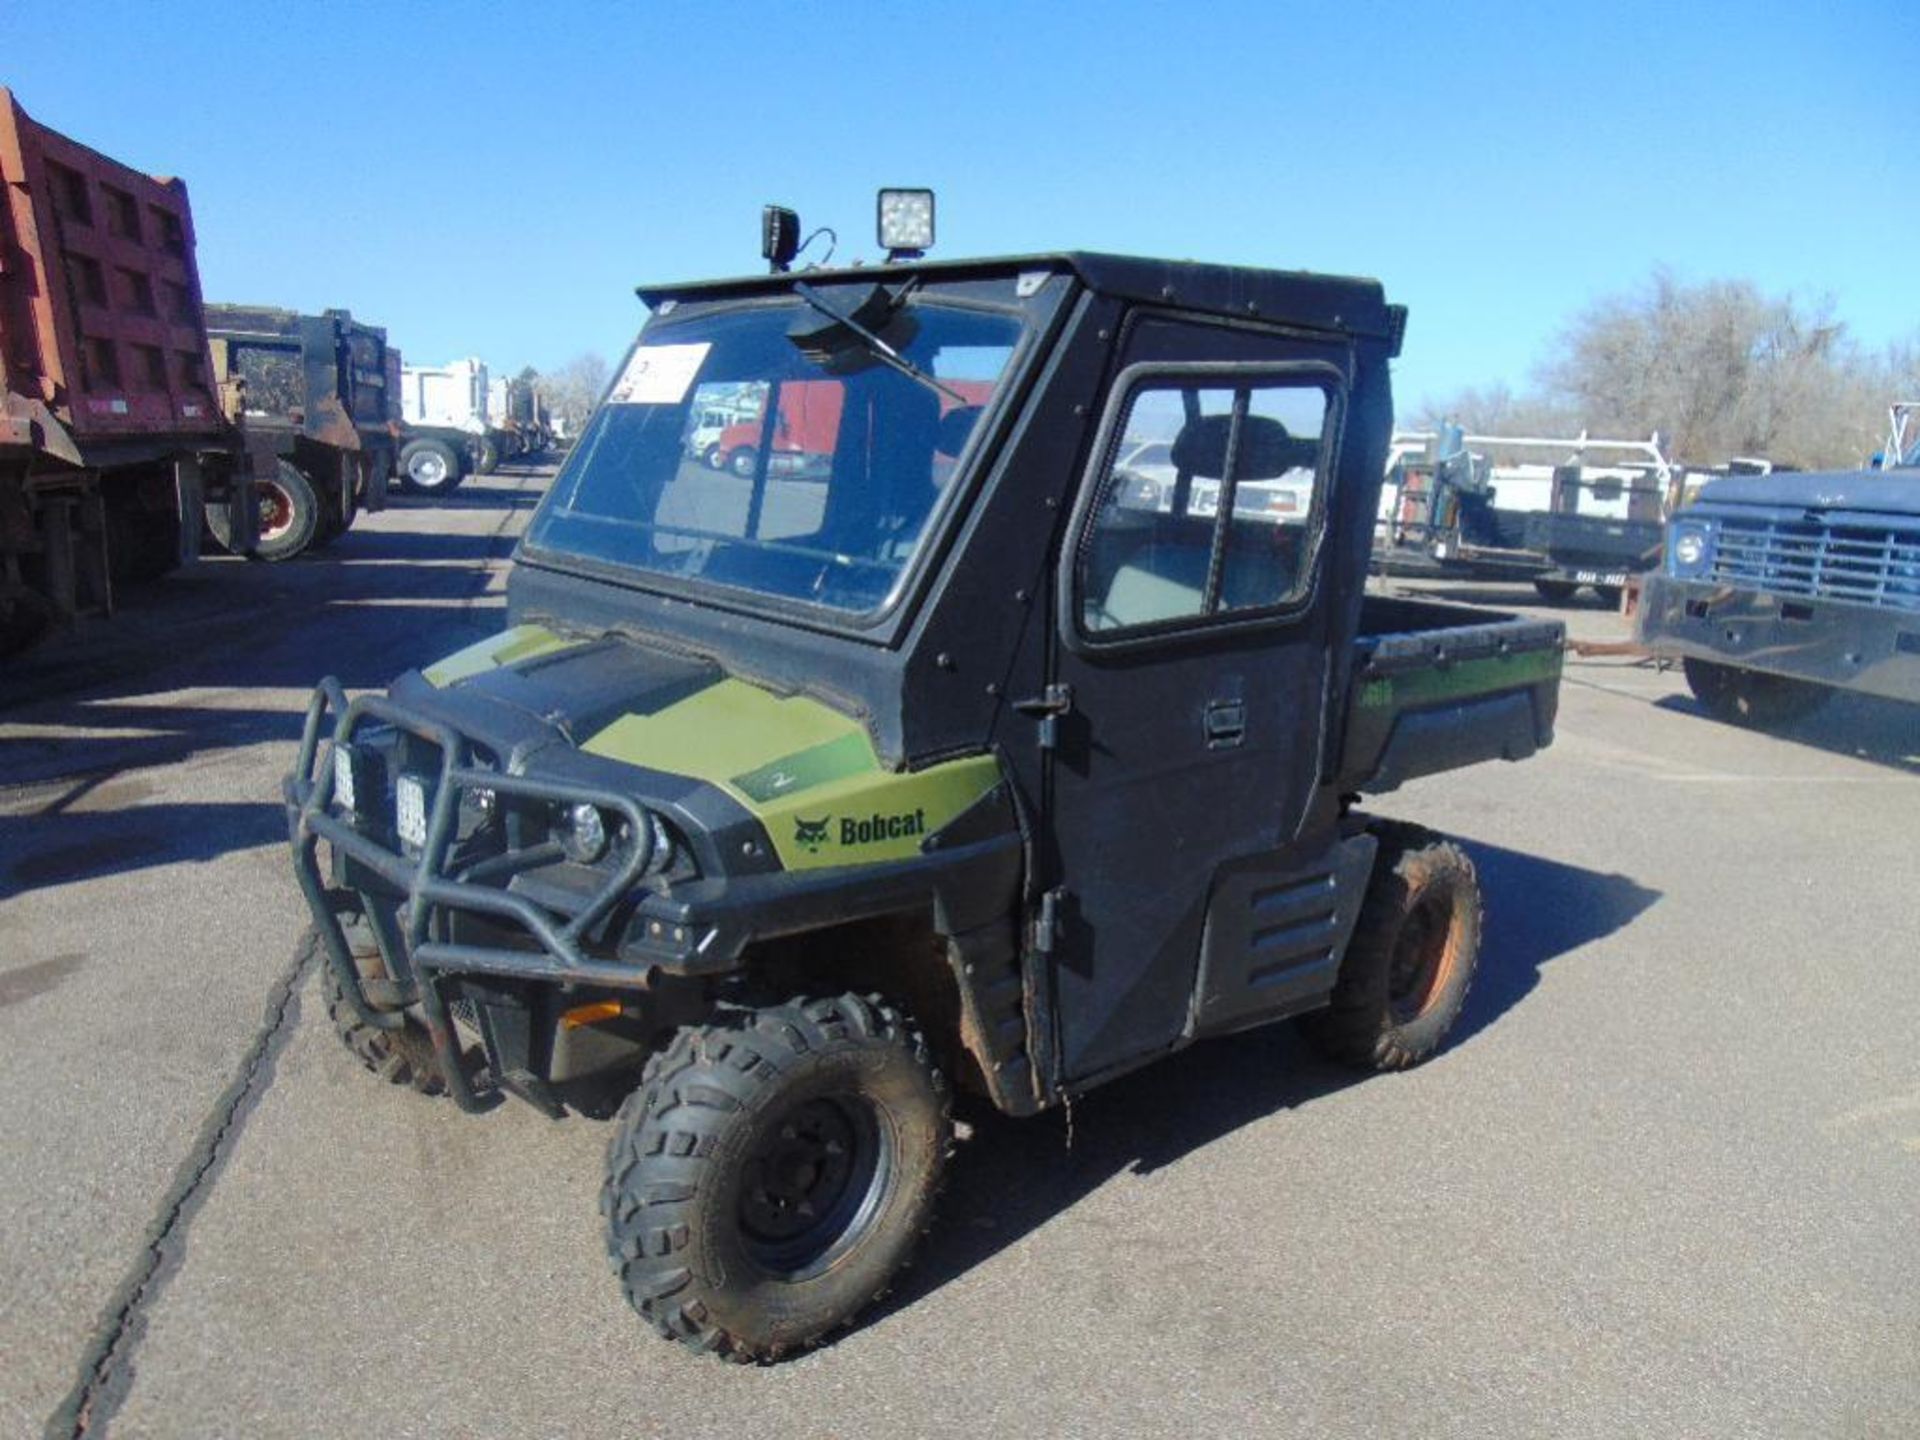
x,y
1190,667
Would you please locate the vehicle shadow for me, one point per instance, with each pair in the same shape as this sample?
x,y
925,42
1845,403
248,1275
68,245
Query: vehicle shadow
x,y
1014,1176
1537,911
1861,727
60,847
468,499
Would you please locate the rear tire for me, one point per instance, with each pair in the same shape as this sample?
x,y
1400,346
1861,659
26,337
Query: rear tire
x,y
1555,592
429,467
21,623
339,518
486,457
1749,698
773,1171
1410,963
289,515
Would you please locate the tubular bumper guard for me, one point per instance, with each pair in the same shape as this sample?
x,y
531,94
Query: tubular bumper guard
x,y
422,959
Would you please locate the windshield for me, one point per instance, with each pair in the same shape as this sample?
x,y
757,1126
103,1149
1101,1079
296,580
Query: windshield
x,y
724,455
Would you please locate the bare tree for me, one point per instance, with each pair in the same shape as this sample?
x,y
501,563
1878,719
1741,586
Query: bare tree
x,y
572,391
1496,410
1717,368
1720,369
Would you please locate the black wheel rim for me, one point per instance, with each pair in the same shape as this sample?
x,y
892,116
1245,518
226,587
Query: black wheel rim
x,y
813,1184
1421,958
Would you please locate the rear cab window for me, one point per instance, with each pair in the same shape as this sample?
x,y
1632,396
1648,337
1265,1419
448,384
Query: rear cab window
x,y
1210,503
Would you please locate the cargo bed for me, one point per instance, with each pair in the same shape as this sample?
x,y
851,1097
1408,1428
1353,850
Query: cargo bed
x,y
1435,687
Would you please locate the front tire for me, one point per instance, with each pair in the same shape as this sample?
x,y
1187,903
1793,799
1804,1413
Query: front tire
x,y
400,1057
1555,592
773,1171
1411,960
1749,698
429,467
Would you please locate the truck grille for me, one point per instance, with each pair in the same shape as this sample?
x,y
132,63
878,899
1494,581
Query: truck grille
x,y
1861,564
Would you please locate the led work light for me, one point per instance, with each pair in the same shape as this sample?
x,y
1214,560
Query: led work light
x,y
779,236
905,223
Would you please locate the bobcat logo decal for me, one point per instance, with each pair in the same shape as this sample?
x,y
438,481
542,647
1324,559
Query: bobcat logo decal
x,y
810,835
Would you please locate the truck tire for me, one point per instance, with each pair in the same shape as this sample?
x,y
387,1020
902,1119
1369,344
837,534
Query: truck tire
x,y
338,518
1555,592
430,467
21,623
486,457
1749,698
712,458
400,1057
740,462
1411,960
289,515
773,1171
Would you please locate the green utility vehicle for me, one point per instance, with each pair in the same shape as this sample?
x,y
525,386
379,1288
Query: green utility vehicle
x,y
795,800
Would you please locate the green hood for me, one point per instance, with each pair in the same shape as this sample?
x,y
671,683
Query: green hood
x,y
807,772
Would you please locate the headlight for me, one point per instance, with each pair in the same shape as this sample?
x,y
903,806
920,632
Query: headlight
x,y
583,834
1691,550
587,833
343,777
410,810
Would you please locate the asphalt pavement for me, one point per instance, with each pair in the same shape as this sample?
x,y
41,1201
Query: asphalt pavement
x,y
1662,1182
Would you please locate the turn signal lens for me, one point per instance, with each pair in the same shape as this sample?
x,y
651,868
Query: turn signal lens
x,y
589,1014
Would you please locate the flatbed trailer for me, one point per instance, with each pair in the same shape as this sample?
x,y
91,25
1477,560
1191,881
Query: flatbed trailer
x,y
1593,517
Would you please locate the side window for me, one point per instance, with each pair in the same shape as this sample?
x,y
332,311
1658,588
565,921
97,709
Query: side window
x,y
1210,504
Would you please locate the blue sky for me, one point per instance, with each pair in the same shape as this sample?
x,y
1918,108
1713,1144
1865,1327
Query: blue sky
x,y
493,180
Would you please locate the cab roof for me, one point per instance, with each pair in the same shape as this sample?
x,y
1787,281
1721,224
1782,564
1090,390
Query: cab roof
x,y
1342,303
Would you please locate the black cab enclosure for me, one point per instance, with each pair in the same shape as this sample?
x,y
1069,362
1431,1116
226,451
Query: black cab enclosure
x,y
1001,720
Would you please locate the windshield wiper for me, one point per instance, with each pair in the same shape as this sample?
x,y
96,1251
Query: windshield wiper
x,y
880,348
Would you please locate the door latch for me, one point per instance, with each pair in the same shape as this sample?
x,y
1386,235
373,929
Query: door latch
x,y
1226,723
1047,707
1046,923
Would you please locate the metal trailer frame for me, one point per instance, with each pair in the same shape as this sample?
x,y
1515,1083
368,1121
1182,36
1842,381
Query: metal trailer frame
x,y
1426,548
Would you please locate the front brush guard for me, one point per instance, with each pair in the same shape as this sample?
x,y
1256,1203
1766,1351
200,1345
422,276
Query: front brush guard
x,y
430,891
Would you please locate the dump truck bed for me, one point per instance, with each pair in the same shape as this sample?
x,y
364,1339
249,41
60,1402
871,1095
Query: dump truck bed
x,y
100,308
1434,687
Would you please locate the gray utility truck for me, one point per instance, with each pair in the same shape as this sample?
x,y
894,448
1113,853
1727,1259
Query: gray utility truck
x,y
312,389
1779,589
789,802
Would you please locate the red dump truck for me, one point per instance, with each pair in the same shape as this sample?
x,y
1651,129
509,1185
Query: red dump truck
x,y
112,436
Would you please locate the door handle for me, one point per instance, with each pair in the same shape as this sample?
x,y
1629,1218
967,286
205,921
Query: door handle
x,y
1226,723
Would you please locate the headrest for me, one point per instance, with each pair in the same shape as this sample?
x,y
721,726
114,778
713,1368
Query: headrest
x,y
1267,451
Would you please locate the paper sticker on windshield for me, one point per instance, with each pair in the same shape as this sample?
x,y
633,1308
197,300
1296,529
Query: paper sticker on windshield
x,y
659,374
